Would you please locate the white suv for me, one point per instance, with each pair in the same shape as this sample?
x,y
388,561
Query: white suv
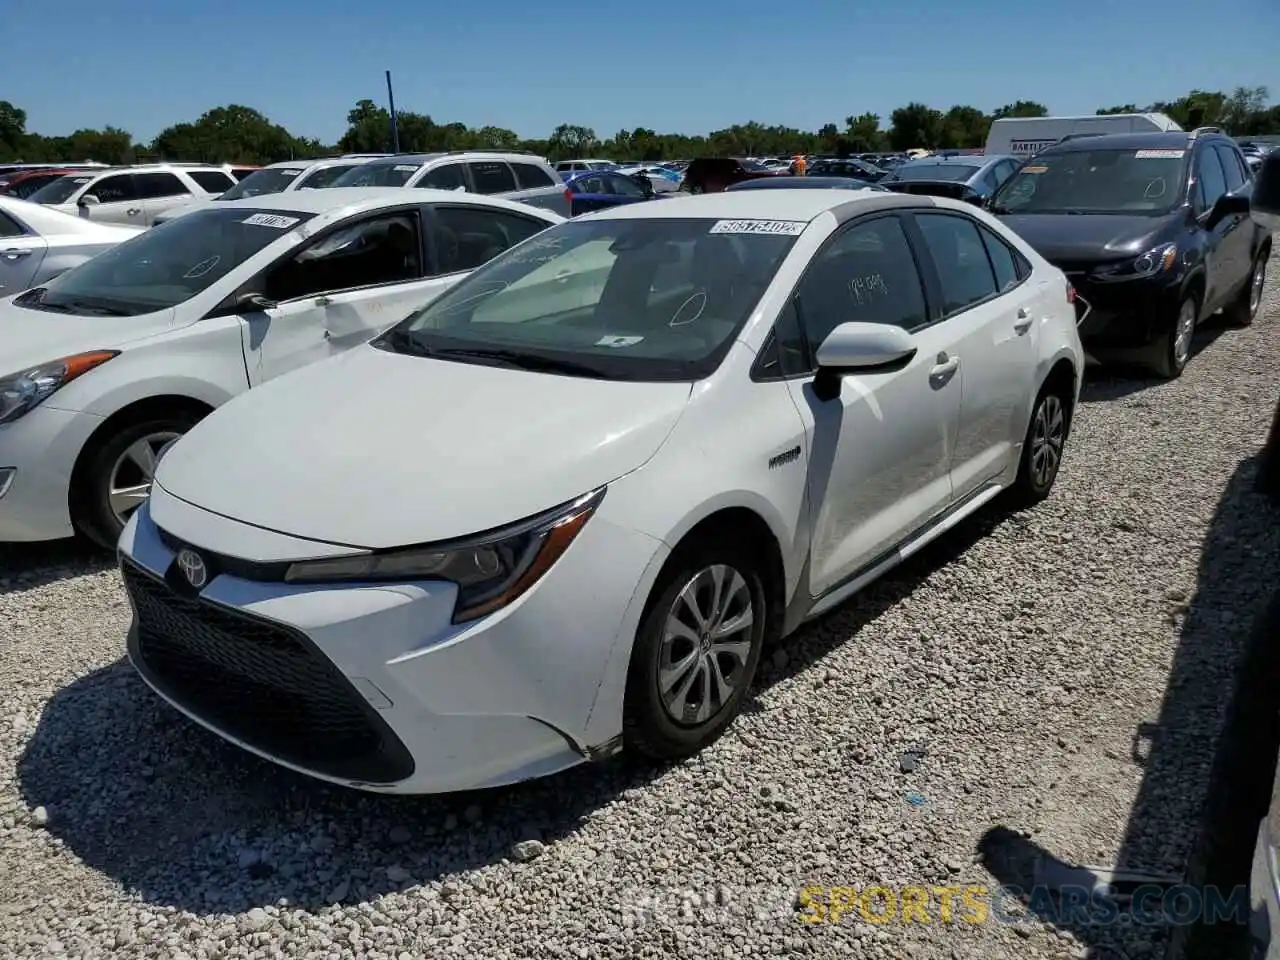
x,y
133,195
522,177
279,178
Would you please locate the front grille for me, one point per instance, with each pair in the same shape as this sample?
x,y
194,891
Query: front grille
x,y
261,682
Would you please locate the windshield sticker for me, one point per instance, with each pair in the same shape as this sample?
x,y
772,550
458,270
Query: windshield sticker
x,y
291,173
1037,169
618,341
83,180
785,228
270,220
405,167
1159,154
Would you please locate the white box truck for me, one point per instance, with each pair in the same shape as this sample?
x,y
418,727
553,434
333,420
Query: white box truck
x,y
1024,136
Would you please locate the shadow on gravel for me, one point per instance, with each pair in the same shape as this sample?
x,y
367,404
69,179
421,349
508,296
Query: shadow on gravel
x,y
182,818
1227,617
1116,379
25,566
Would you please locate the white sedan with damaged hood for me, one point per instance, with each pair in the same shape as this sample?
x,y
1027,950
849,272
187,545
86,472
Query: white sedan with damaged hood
x,y
560,510
109,363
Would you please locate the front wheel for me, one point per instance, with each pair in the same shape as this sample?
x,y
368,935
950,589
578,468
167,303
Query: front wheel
x,y
695,654
117,478
1169,354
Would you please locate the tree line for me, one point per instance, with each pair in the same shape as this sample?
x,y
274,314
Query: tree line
x,y
240,134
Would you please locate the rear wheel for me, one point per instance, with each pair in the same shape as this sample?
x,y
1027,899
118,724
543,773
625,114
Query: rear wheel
x,y
1169,354
117,478
696,652
1044,445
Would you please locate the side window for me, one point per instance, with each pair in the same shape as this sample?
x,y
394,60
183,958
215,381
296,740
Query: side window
x,y
448,177
989,180
473,235
866,274
384,249
115,189
626,187
786,353
1231,167
9,227
960,258
1213,181
1002,260
1004,170
530,175
1023,265
323,177
213,181
492,176
596,185
152,186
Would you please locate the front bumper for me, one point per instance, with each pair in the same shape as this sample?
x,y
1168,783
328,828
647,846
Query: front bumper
x,y
40,449
1123,314
371,685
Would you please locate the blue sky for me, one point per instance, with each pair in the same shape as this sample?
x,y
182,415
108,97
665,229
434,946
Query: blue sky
x,y
673,66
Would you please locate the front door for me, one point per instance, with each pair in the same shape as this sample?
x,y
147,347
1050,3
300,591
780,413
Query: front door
x,y
881,451
117,201
990,315
21,254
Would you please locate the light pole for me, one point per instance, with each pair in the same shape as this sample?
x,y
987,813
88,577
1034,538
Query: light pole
x,y
395,126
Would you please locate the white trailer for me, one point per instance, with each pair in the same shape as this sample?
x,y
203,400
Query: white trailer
x,y
1024,136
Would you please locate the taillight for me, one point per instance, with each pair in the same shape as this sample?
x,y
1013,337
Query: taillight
x,y
1071,293
568,196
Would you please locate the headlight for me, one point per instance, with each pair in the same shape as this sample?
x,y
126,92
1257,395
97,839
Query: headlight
x,y
20,392
490,570
1151,263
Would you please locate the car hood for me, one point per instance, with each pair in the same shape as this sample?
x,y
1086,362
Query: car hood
x,y
1087,238
186,208
375,449
32,337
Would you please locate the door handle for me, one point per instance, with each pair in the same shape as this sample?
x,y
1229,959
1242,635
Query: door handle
x,y
323,301
944,366
133,211
13,253
1024,321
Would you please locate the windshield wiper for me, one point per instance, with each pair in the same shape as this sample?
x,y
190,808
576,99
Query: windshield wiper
x,y
399,340
524,361
97,309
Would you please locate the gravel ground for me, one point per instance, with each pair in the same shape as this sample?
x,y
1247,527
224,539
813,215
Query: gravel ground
x,y
1060,674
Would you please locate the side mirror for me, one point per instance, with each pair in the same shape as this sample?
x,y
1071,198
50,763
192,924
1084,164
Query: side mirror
x,y
644,183
865,346
1265,204
252,303
1231,204
88,200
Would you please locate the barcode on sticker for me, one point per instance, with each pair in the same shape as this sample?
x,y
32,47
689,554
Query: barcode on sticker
x,y
1159,154
270,220
405,167
784,228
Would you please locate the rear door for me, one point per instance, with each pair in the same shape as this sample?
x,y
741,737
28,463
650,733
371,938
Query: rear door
x,y
337,291
159,192
21,253
535,186
979,297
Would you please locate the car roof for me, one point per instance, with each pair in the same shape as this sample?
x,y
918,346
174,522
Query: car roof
x,y
1165,139
803,205
351,200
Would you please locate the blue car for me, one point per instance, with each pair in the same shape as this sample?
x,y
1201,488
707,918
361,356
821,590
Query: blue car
x,y
601,189
971,178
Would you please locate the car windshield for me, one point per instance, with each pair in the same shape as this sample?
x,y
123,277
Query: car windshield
x,y
60,190
1095,181
954,172
753,165
165,266
264,183
625,298
378,175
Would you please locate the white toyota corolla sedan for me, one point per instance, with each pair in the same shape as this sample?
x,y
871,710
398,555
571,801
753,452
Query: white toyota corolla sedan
x,y
560,509
104,366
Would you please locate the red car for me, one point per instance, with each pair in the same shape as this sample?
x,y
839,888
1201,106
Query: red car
x,y
23,183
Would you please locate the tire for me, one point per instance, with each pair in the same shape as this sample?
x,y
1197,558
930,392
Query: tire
x,y
1243,310
118,462
1044,445
1169,354
655,726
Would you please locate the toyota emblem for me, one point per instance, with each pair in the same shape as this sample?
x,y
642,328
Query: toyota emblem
x,y
193,568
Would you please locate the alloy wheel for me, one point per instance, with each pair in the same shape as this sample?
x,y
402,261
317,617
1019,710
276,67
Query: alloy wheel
x,y
1184,331
706,644
1048,436
131,475
1256,284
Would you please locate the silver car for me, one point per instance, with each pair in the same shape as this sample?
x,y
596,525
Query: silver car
x,y
972,178
522,177
37,244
